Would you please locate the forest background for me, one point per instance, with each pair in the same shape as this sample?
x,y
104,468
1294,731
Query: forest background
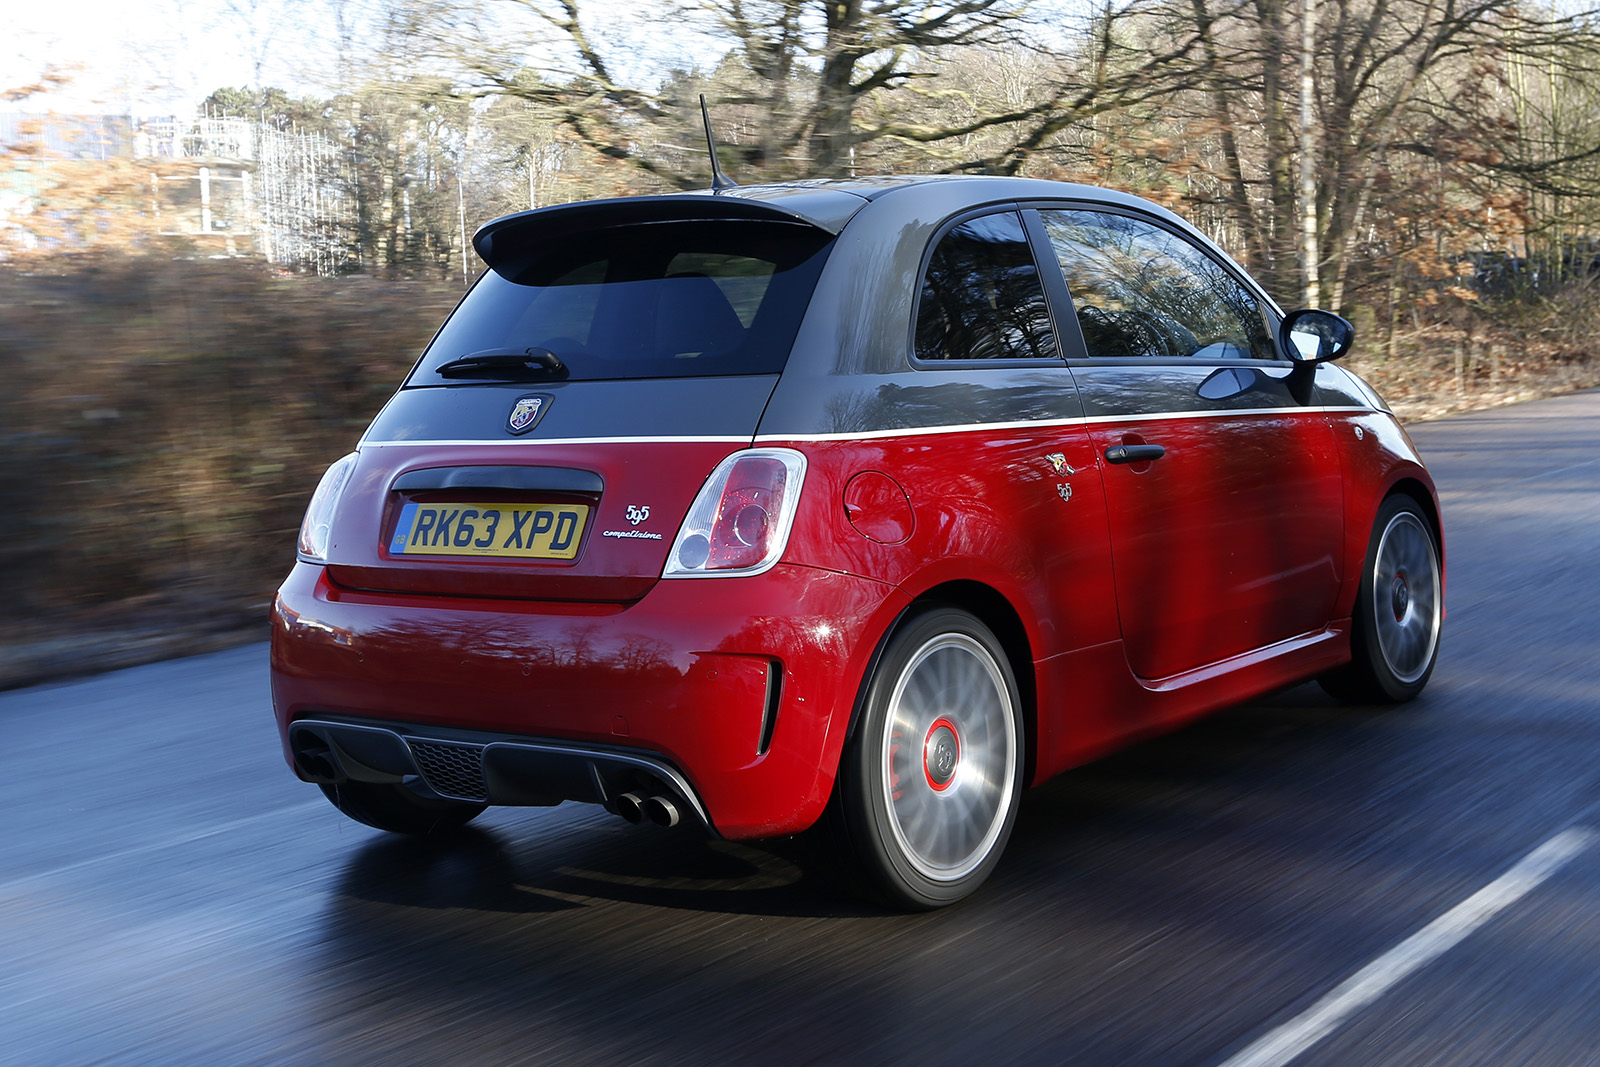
x,y
1429,168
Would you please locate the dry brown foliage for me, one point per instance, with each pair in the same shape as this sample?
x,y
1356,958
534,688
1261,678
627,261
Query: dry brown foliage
x,y
164,421
1462,354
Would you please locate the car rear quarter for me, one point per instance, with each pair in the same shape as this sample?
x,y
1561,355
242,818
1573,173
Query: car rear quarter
x,y
732,681
746,497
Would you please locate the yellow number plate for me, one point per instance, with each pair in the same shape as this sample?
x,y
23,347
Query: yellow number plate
x,y
544,531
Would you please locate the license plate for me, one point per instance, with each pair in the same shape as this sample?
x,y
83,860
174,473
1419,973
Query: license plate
x,y
542,531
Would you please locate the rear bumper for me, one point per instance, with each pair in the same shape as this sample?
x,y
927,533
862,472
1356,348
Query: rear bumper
x,y
487,768
740,689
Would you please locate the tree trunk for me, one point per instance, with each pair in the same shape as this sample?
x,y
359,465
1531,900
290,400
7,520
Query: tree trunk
x,y
831,133
1310,258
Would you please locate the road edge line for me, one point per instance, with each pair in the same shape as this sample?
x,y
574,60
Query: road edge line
x,y
1288,1041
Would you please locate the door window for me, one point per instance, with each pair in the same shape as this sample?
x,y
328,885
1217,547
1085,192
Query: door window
x,y
981,295
1139,290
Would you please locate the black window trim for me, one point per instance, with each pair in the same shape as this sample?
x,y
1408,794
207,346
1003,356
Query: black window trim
x,y
1056,290
965,216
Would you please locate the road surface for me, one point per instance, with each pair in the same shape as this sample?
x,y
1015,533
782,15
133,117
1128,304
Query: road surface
x,y
1290,881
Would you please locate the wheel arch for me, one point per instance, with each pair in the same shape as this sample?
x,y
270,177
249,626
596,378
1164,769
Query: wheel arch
x,y
996,612
1371,675
1425,499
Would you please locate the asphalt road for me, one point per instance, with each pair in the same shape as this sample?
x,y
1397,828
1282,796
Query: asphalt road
x,y
1288,879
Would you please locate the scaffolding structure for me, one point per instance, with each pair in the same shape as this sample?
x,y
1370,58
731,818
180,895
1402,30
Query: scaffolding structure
x,y
307,214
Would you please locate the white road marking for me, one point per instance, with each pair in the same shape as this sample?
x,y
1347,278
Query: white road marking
x,y
1376,978
171,841
1537,477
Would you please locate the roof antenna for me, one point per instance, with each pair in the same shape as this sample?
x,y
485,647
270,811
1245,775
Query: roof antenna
x,y
719,180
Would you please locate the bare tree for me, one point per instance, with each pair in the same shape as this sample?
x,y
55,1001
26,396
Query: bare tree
x,y
1371,75
803,85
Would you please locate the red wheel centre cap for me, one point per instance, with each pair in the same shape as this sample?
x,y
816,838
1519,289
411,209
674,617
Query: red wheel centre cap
x,y
941,755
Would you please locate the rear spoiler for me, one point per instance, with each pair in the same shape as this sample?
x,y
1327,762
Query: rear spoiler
x,y
504,243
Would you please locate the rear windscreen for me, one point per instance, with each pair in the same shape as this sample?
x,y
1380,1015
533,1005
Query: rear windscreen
x,y
656,300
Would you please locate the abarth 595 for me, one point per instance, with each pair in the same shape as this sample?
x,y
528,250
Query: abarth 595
x,y
879,498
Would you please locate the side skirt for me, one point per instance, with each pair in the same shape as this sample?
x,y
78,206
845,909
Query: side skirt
x,y
1091,704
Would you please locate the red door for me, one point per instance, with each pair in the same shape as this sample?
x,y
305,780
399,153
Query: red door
x,y
1228,541
1222,482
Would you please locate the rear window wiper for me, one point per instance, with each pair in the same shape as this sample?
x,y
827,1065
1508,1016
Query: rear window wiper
x,y
505,363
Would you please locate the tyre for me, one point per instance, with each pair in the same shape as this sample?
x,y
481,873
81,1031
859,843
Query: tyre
x,y
1394,637
929,783
398,810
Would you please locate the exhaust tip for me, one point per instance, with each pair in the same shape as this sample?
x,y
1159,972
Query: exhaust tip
x,y
661,811
313,757
631,806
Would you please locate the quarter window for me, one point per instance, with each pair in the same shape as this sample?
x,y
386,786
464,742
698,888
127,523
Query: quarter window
x,y
981,295
1140,290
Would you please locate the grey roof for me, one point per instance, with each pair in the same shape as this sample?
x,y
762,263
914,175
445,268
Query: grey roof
x,y
827,203
822,201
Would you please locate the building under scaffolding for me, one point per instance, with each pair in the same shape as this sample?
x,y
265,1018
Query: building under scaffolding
x,y
253,189
230,186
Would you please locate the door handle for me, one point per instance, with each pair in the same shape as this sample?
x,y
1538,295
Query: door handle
x,y
1134,453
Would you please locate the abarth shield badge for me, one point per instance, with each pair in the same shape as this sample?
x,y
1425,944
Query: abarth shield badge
x,y
526,412
1059,464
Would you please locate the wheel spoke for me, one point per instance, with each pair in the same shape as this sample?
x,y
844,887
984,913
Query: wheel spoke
x,y
1405,596
946,829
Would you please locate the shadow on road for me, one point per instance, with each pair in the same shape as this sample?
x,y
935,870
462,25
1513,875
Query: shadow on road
x,y
595,936
496,871
492,871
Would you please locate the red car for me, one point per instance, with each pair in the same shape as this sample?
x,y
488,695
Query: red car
x,y
881,497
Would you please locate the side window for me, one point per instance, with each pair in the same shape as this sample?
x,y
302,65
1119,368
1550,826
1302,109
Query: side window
x,y
981,295
1140,290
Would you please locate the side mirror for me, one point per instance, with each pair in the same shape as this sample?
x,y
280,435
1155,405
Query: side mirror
x,y
1312,336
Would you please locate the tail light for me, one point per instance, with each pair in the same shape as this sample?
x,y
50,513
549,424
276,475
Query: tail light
x,y
314,529
739,523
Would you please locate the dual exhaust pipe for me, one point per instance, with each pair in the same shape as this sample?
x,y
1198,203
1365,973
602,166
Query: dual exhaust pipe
x,y
636,809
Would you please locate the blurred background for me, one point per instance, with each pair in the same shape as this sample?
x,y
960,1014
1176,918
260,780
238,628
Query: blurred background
x,y
227,228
